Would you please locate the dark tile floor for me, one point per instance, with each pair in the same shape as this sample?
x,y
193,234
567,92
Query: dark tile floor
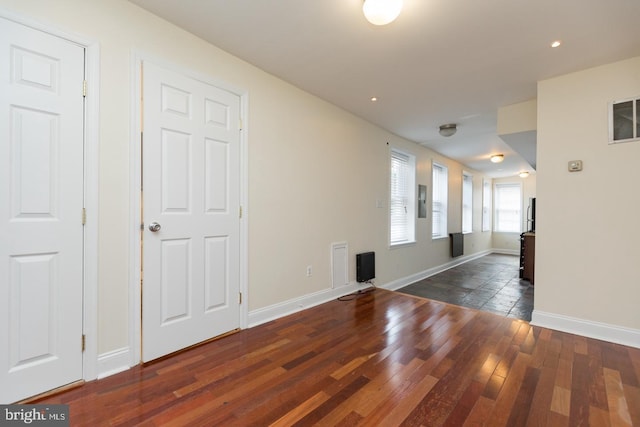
x,y
489,283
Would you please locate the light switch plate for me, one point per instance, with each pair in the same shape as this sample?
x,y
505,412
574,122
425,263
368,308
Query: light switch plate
x,y
575,165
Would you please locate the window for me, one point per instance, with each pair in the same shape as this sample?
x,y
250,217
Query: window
x,y
439,201
624,120
402,198
467,203
507,210
486,205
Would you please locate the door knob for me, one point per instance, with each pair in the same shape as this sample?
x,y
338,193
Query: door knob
x,y
155,227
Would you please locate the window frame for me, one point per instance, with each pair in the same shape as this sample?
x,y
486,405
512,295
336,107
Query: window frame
x,y
496,213
467,198
444,189
409,199
615,120
486,205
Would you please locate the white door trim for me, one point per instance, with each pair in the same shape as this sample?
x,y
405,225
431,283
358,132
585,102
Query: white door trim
x,y
135,173
91,168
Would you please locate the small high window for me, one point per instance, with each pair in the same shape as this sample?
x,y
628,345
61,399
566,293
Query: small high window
x,y
624,121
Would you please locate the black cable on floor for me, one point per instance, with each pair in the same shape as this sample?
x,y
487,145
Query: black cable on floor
x,y
354,295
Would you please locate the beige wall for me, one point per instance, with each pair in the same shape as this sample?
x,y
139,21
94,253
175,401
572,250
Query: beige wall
x,y
587,252
516,118
315,171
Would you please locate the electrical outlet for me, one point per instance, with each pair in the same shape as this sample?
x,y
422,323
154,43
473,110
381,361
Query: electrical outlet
x,y
309,271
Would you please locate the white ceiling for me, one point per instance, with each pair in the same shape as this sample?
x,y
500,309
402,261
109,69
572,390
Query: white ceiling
x,y
441,61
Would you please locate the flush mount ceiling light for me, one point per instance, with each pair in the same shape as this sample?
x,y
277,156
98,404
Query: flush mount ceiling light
x,y
497,158
556,43
523,174
381,12
448,129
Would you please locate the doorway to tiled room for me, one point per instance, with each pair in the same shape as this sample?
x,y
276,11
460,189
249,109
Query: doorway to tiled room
x,y
490,283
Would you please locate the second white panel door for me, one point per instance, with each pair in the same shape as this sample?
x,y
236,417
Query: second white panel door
x,y
191,188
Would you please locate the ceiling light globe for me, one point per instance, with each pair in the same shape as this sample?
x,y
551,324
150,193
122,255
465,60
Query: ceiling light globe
x,y
448,129
381,12
497,158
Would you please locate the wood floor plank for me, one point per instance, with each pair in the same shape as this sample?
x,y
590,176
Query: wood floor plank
x,y
480,413
561,401
632,396
380,359
617,357
301,410
579,410
509,392
541,398
618,407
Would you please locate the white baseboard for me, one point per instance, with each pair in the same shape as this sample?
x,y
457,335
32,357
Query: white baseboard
x,y
588,328
404,281
112,362
275,311
505,251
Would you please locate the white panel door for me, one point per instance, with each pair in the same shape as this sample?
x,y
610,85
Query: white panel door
x,y
41,201
191,184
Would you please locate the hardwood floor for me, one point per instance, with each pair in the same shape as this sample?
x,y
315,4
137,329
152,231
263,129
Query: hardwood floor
x,y
382,358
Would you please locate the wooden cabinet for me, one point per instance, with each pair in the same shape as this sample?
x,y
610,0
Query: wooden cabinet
x,y
528,256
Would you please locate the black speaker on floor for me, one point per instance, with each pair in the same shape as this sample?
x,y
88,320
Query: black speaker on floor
x,y
365,266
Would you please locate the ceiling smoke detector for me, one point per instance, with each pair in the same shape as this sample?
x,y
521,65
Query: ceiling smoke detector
x,y
448,130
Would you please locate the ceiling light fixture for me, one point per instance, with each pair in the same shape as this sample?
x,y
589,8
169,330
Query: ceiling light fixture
x,y
523,174
381,12
556,43
374,99
448,129
497,158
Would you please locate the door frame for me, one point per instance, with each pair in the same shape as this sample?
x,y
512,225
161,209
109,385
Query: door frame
x,y
135,173
91,187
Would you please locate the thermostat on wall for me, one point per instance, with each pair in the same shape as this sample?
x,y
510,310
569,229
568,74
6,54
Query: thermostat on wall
x,y
575,165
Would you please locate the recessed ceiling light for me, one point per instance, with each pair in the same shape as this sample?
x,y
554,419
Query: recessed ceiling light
x,y
374,99
556,43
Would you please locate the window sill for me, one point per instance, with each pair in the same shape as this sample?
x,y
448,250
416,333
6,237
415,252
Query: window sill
x,y
439,237
402,244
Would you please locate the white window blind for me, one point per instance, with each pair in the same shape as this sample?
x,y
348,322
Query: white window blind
x,y
467,203
486,205
402,198
439,201
508,207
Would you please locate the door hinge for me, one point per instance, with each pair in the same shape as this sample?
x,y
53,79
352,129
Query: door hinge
x,y
239,297
240,212
84,216
240,124
84,341
84,88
